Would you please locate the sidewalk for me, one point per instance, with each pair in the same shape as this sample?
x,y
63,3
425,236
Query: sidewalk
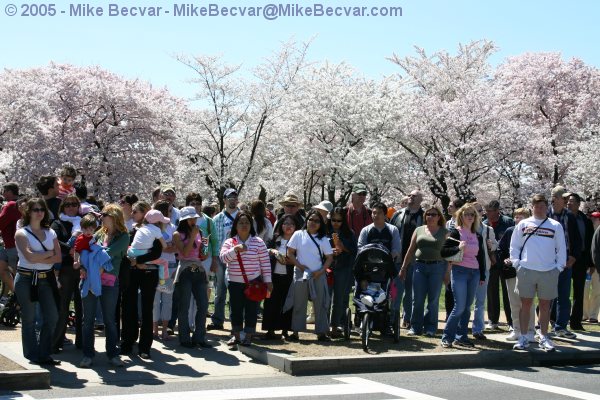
x,y
170,363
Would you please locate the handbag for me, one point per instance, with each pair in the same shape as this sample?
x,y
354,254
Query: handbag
x,y
508,271
256,290
458,257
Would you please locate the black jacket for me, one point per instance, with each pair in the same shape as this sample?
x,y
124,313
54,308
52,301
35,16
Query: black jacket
x,y
451,248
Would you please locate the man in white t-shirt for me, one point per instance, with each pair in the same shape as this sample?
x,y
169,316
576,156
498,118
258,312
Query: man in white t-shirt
x,y
538,252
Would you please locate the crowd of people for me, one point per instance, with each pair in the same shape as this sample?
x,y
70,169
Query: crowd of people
x,y
140,266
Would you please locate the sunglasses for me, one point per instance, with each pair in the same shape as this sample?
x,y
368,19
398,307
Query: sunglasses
x,y
469,214
316,221
71,205
337,220
105,215
432,215
38,210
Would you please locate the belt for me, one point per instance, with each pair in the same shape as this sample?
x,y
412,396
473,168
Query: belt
x,y
195,268
40,274
429,262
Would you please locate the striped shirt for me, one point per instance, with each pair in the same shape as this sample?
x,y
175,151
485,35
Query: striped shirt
x,y
255,259
64,190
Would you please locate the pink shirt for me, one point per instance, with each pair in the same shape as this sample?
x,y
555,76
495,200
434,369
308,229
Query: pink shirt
x,y
471,249
194,253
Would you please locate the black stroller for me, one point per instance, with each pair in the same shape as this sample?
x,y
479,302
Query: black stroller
x,y
375,265
11,313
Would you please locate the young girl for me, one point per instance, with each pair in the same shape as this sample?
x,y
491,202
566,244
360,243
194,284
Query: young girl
x,y
145,236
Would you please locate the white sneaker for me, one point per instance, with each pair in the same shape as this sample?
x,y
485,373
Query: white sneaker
x,y
85,362
522,344
512,337
546,344
531,337
537,336
411,333
116,362
490,326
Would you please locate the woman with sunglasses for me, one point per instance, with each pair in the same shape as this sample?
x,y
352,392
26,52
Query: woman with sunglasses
x,y
142,278
244,250
344,253
68,276
428,273
113,238
464,275
38,250
310,252
282,271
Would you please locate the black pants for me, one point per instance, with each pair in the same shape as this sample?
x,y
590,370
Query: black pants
x,y
449,300
273,317
579,272
146,281
69,282
493,297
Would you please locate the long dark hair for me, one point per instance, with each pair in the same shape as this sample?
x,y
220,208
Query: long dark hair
x,y
345,228
239,215
184,227
279,231
258,210
45,222
322,232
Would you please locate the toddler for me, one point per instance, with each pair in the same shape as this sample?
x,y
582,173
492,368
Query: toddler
x,y
145,236
371,293
65,184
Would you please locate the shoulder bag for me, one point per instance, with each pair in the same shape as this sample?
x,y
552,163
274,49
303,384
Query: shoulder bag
x,y
256,290
458,257
328,271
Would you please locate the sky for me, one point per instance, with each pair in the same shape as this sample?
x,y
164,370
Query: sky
x,y
144,47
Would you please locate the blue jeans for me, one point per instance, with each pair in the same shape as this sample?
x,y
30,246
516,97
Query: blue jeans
x,y
408,284
33,349
398,299
563,302
218,317
192,284
342,283
464,284
108,304
427,282
480,294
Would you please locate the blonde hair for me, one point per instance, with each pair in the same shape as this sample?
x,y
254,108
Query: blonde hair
x,y
461,211
116,212
522,211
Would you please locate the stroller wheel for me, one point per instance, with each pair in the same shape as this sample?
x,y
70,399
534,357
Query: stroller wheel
x,y
396,326
366,331
348,324
10,317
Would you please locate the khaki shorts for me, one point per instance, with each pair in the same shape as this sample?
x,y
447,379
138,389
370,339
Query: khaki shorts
x,y
545,283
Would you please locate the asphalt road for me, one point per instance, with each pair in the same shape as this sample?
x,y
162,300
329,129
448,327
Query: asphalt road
x,y
582,382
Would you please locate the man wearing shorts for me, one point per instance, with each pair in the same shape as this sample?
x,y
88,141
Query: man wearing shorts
x,y
538,251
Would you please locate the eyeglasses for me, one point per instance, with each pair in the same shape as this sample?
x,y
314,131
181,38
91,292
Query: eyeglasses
x,y
339,221
70,205
361,194
432,215
469,214
38,210
195,203
314,220
288,224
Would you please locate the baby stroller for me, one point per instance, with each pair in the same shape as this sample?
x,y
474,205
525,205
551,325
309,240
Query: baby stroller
x,y
373,271
11,313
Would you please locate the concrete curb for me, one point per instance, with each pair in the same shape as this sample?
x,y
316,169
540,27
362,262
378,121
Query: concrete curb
x,y
31,377
419,361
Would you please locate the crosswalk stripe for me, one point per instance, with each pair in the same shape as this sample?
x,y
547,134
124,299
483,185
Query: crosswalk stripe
x,y
350,386
533,385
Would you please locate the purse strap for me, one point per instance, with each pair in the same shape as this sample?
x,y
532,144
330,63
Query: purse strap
x,y
239,258
38,239
530,235
316,244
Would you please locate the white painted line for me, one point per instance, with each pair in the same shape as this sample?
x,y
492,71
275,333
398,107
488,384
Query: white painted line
x,y
351,386
377,387
533,385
